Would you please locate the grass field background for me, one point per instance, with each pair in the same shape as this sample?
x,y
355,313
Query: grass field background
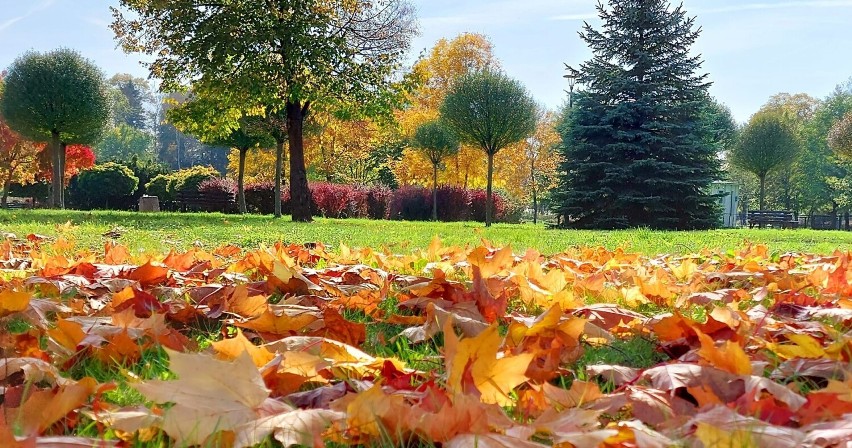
x,y
161,231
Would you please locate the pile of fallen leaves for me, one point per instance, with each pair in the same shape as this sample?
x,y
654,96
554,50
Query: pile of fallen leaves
x,y
757,347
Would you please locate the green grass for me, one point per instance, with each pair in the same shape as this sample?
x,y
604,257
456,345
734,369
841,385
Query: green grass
x,y
161,231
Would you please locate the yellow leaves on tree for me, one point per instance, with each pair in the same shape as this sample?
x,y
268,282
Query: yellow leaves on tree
x,y
528,168
341,150
260,165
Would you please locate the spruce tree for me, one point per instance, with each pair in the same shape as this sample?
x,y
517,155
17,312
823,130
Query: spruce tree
x,y
636,149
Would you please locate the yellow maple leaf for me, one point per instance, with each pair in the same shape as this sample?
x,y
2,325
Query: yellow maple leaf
x,y
729,356
13,301
472,363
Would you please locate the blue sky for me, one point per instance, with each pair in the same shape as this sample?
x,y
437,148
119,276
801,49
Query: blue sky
x,y
752,49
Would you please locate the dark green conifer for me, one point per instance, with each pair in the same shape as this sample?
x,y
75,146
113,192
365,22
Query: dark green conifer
x,y
636,151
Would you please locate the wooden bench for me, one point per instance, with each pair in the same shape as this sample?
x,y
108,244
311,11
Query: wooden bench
x,y
782,219
210,201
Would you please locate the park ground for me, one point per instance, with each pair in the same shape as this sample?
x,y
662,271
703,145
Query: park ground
x,y
547,348
161,232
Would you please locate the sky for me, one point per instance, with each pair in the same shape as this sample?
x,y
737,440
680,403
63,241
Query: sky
x,y
751,49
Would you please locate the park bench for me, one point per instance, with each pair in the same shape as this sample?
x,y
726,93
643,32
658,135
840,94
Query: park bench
x,y
208,201
782,219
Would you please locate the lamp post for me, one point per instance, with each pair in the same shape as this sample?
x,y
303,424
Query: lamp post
x,y
571,76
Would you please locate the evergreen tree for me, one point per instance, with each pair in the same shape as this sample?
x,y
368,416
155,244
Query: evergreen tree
x,y
635,146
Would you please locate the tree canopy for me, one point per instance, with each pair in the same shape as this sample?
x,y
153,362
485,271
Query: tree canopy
x,y
767,143
280,56
436,142
57,97
491,111
636,150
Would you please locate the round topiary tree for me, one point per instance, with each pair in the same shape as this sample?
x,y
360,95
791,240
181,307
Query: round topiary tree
x,y
57,97
105,184
767,143
436,142
490,110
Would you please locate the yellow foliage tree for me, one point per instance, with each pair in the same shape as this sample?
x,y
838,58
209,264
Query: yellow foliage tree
x,y
342,150
528,168
260,165
446,62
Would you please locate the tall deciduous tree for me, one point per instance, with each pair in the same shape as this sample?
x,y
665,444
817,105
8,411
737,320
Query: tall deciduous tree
x,y
840,136
208,117
635,146
281,56
767,143
492,111
57,97
436,142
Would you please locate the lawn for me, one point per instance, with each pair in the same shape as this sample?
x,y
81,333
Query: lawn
x,y
161,231
106,340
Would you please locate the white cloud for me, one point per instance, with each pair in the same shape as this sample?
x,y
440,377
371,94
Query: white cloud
x,y
777,5
34,10
10,22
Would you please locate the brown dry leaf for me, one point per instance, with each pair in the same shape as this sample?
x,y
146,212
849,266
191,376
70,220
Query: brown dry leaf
x,y
291,321
209,395
296,427
337,328
490,441
43,408
463,316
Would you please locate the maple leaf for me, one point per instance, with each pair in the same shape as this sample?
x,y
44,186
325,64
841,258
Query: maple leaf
x,y
296,427
473,366
13,301
209,395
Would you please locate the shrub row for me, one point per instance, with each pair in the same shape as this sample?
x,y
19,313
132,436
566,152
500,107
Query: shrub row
x,y
410,203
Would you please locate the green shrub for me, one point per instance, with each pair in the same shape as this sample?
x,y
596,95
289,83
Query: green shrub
x,y
159,187
102,185
190,178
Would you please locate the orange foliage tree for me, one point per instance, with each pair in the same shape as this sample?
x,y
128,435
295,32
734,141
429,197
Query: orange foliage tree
x,y
17,160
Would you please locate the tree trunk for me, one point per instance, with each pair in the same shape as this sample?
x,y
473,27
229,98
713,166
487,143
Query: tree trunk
x,y
434,192
5,199
279,164
62,148
762,191
241,192
535,208
300,195
53,201
489,203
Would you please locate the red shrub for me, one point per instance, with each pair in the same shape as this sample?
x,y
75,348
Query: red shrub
x,y
478,198
378,201
453,203
260,197
218,185
411,203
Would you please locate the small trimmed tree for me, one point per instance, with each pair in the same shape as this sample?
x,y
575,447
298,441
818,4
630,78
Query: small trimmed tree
x,y
436,142
57,97
492,111
767,143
